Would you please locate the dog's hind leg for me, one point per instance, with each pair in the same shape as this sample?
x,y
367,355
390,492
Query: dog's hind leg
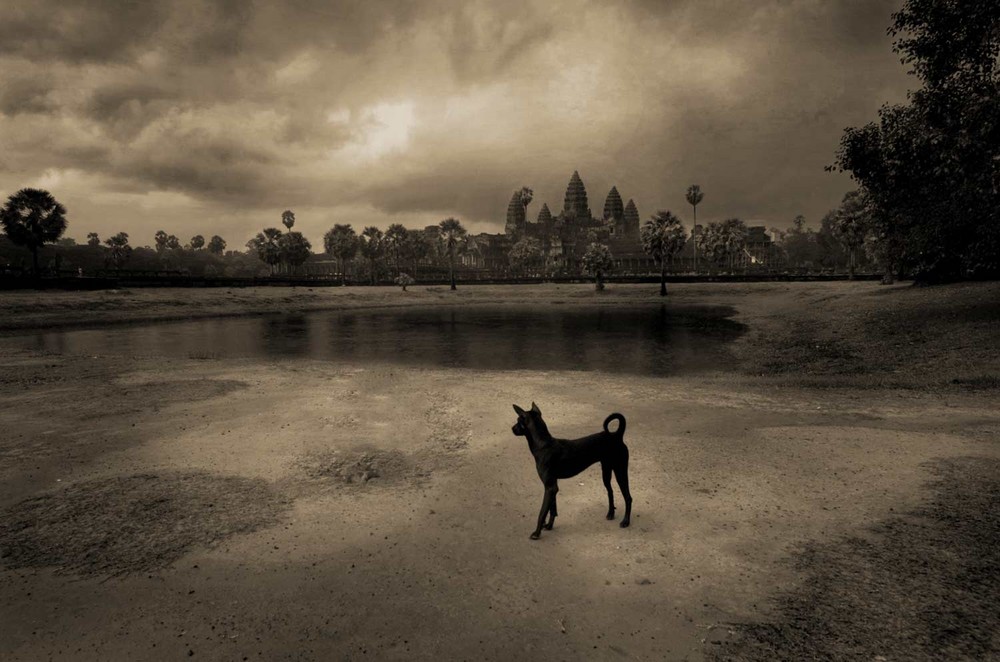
x,y
547,500
552,514
606,474
621,474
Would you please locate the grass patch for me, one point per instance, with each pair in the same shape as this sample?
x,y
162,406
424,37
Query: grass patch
x,y
121,525
923,586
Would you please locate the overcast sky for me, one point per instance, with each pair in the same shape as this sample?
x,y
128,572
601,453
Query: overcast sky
x,y
196,116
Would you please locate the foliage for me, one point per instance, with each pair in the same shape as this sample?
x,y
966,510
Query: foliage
x,y
525,254
119,250
265,245
288,218
294,249
395,239
216,245
372,246
662,236
197,242
451,232
404,280
341,241
930,169
597,262
93,240
694,195
851,224
32,218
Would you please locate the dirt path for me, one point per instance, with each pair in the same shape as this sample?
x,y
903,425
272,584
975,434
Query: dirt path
x,y
403,503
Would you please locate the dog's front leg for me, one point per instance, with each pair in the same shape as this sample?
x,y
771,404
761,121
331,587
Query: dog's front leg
x,y
547,501
552,514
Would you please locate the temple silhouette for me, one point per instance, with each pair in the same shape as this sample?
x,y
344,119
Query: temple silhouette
x,y
564,238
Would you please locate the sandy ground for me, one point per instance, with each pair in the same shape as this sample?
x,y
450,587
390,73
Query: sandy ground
x,y
359,512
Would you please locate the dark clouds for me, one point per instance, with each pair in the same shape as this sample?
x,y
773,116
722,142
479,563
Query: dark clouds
x,y
371,111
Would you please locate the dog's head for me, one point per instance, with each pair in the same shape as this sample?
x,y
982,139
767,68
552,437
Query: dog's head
x,y
529,422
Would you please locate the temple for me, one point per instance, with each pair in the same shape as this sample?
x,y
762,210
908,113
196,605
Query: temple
x,y
565,237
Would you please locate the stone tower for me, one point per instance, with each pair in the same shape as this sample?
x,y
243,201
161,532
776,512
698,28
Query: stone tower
x,y
515,217
613,209
575,205
631,218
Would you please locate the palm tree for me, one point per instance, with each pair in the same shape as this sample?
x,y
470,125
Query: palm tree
x,y
451,233
694,197
33,218
662,237
288,218
372,247
120,251
265,244
341,241
395,242
93,239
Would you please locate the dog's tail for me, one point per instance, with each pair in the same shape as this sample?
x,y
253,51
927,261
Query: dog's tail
x,y
620,432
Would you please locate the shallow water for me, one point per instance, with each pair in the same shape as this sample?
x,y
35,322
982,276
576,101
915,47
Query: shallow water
x,y
650,339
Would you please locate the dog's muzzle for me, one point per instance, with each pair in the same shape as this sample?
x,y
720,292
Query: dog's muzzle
x,y
517,429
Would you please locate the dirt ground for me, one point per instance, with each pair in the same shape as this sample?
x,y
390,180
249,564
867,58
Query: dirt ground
x,y
831,497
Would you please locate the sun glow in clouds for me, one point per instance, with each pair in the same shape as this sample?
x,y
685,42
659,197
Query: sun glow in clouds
x,y
381,129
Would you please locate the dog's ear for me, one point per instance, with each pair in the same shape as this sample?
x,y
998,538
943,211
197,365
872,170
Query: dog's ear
x,y
520,412
535,409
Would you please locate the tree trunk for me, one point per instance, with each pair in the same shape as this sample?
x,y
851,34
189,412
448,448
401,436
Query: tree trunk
x,y
599,282
694,238
850,264
451,269
34,261
663,278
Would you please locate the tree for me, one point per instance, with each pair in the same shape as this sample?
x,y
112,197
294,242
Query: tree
x,y
33,218
930,168
294,249
711,241
597,262
395,243
173,243
734,239
525,254
160,239
119,251
418,248
372,248
341,241
93,240
452,233
662,237
694,196
288,218
265,245
851,224
197,242
404,280
216,245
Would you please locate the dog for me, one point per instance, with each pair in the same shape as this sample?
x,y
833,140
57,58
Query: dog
x,y
565,458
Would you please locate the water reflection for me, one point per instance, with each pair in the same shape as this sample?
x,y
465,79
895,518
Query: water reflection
x,y
655,340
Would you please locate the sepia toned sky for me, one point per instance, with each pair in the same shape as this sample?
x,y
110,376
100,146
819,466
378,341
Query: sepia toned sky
x,y
212,117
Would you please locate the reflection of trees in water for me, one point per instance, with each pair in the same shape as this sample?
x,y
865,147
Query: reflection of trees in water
x,y
288,335
632,339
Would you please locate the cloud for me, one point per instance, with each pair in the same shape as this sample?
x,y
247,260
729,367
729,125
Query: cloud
x,y
221,112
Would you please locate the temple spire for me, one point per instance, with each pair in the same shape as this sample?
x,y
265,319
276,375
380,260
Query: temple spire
x,y
613,209
575,204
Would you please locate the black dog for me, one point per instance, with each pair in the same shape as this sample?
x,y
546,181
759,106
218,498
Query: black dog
x,y
564,458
